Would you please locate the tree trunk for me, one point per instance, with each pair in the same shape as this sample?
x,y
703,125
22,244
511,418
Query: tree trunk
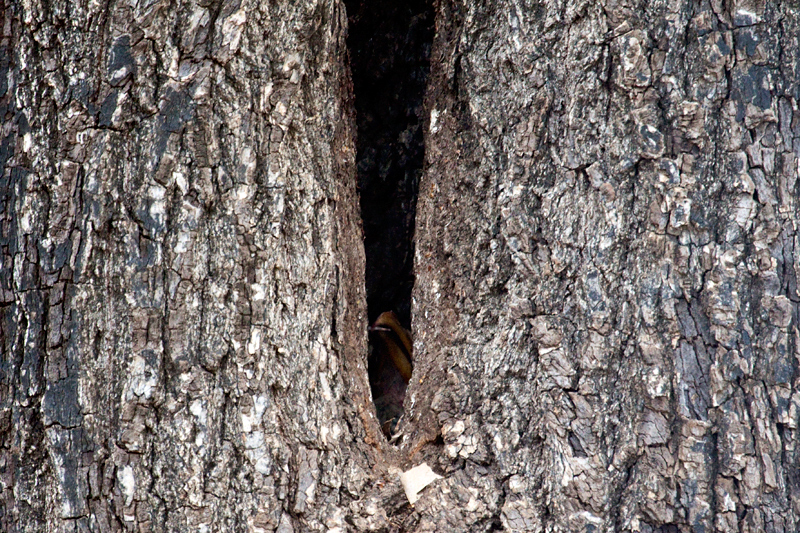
x,y
605,306
184,321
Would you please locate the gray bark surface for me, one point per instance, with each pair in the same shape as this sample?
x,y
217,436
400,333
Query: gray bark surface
x,y
606,300
184,322
605,309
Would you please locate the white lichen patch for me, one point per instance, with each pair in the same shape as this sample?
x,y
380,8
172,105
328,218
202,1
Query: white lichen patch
x,y
142,379
127,483
199,411
254,345
325,386
434,124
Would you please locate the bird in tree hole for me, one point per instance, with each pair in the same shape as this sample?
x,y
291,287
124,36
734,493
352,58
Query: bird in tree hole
x,y
390,367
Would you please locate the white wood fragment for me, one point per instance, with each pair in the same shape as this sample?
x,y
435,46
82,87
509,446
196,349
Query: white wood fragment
x,y
416,479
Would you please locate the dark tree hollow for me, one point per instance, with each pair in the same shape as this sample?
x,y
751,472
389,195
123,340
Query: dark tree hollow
x,y
389,45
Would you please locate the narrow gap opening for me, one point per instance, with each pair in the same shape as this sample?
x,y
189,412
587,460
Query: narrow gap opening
x,y
389,43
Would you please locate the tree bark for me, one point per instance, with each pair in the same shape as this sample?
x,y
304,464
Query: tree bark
x,y
184,322
606,302
605,308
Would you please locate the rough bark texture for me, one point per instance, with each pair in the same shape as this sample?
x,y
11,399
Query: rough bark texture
x,y
605,308
183,309
606,305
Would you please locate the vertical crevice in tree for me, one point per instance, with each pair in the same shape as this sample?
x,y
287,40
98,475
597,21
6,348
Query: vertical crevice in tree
x,y
389,46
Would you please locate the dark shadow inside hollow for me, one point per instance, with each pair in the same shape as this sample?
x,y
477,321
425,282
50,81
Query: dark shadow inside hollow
x,y
389,43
